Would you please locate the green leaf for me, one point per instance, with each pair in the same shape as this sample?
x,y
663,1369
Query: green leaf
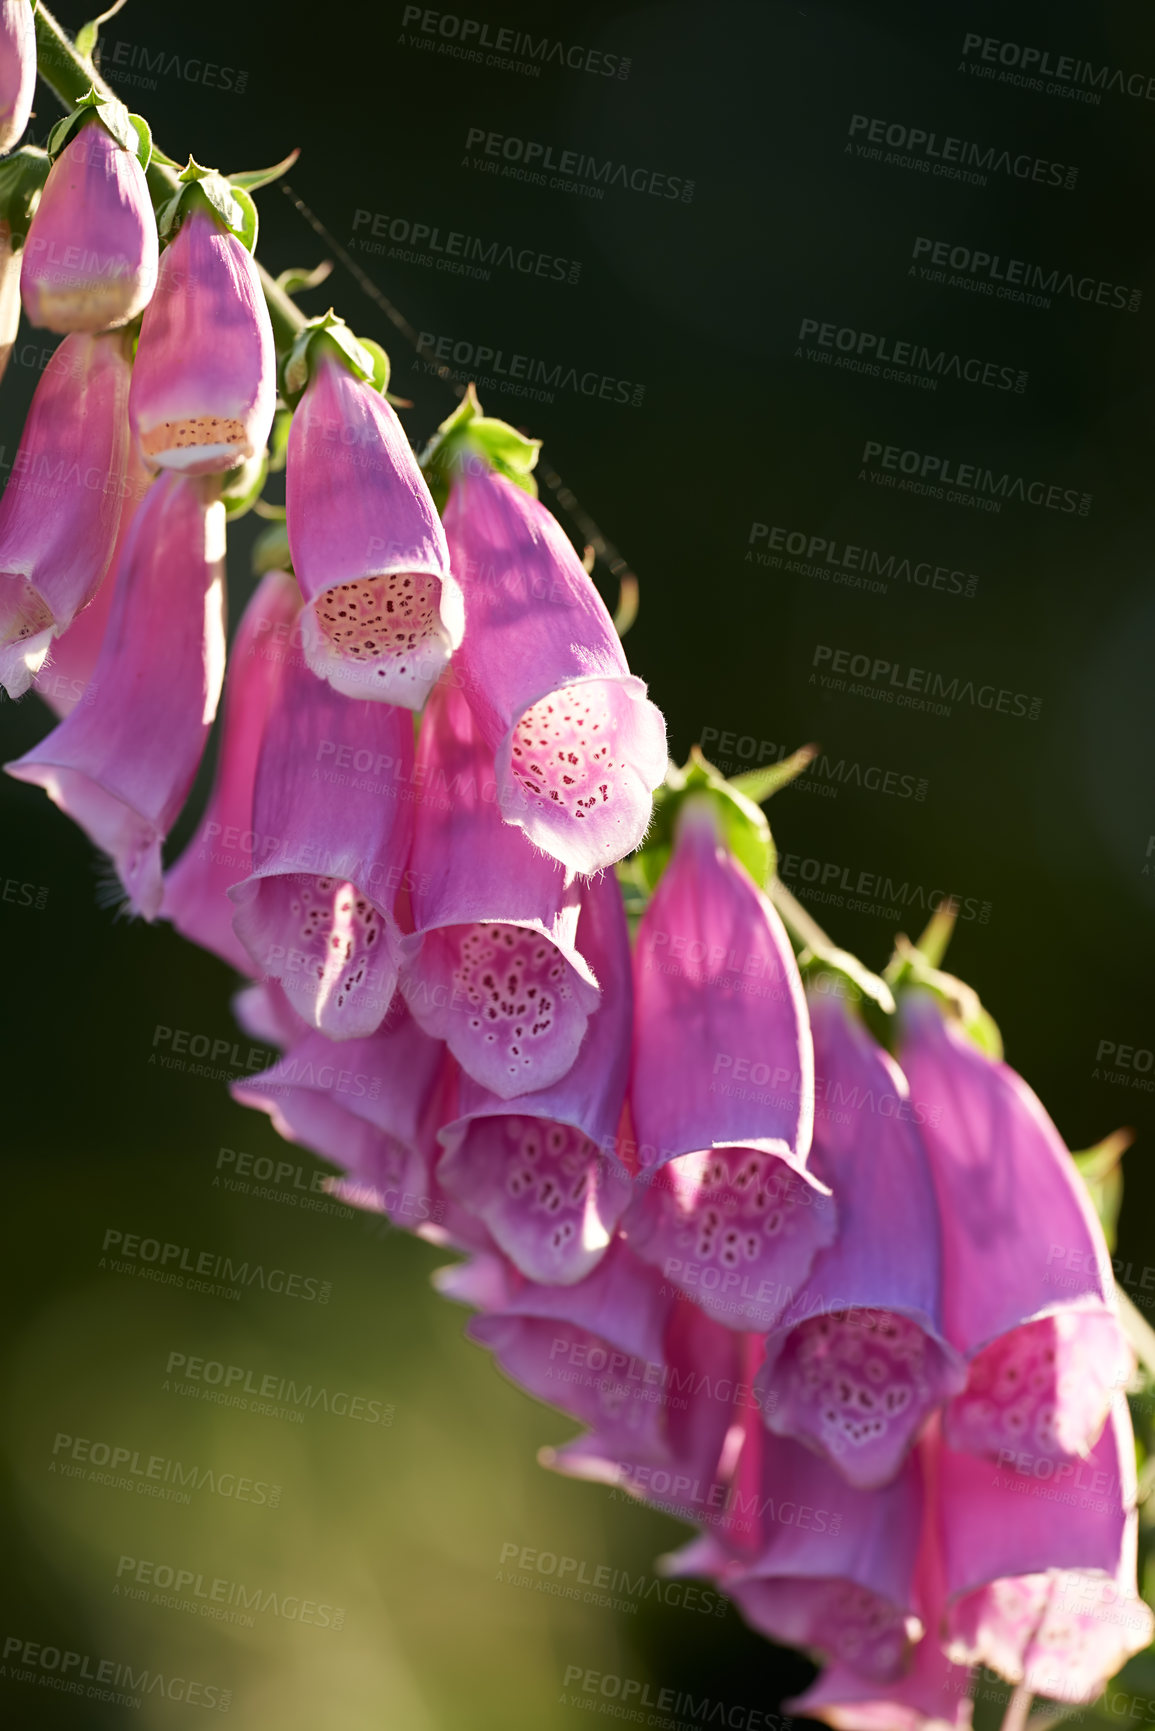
x,y
251,179
1101,1169
380,360
144,139
760,784
296,281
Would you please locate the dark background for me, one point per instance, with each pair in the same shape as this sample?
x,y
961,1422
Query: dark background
x,y
1045,827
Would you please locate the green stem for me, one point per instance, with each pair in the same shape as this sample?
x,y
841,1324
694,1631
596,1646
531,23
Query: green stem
x,y
69,75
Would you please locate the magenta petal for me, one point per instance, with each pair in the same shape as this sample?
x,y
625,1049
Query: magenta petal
x,y
90,259
360,1104
1042,1390
17,70
594,1349
722,1049
122,762
204,382
64,500
332,828
542,1171
858,1360
577,747
736,1229
220,853
383,615
493,968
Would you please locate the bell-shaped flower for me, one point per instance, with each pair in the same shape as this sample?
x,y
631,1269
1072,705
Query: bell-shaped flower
x,y
832,1568
577,747
332,823
543,1171
382,614
64,501
361,1104
1040,1564
722,1089
66,672
204,382
595,1349
122,762
858,1360
90,259
493,968
17,70
932,1693
220,853
1027,1282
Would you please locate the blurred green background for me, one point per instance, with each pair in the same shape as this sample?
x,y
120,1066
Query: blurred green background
x,y
404,1527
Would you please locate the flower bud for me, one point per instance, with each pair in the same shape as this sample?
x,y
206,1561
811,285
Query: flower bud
x,y
90,260
64,500
204,384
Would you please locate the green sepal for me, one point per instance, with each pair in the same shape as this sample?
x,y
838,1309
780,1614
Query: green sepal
x,y
367,359
231,205
470,433
241,487
279,440
271,550
250,179
130,131
743,826
1101,1169
760,784
297,281
87,34
909,967
22,177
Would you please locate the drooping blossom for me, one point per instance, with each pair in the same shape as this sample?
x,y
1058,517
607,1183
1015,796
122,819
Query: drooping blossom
x,y
122,762
66,672
577,747
1027,1283
332,824
722,1089
204,383
64,501
1040,1564
362,1104
17,70
815,1562
858,1360
382,614
493,967
221,852
90,260
543,1171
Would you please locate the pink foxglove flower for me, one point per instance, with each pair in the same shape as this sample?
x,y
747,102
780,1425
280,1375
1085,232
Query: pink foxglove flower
x,y
722,1092
17,70
494,968
90,259
1040,1564
67,671
540,1171
594,1349
859,1359
578,749
361,1104
220,854
382,614
64,500
332,822
204,382
1027,1282
122,763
